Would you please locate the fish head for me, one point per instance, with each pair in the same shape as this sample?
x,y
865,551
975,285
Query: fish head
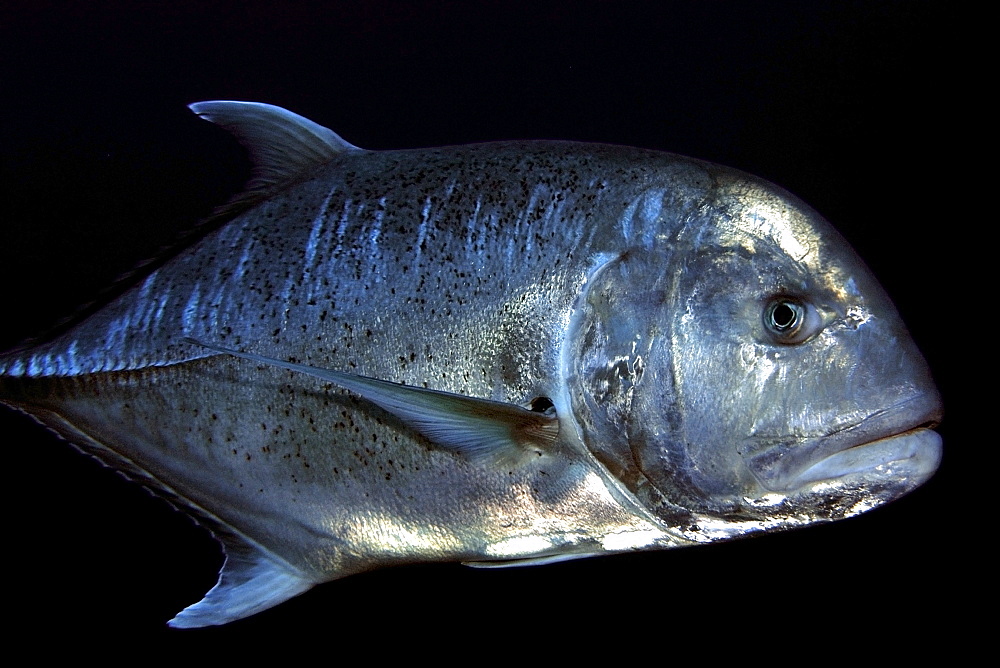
x,y
743,370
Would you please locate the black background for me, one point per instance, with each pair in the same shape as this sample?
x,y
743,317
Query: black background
x,y
843,103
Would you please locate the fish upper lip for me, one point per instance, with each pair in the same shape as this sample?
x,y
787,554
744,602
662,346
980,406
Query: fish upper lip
x,y
793,462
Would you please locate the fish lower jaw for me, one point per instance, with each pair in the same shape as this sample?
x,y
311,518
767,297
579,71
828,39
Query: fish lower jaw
x,y
910,457
843,484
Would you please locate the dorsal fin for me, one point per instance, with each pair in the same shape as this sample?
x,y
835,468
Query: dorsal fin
x,y
283,146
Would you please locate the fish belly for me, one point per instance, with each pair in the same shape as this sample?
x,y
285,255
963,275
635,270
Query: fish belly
x,y
322,479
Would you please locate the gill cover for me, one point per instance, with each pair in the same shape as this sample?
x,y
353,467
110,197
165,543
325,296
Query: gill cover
x,y
620,348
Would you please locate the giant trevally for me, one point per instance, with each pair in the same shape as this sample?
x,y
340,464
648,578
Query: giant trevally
x,y
500,354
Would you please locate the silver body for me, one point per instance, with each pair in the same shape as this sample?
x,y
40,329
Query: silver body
x,y
625,286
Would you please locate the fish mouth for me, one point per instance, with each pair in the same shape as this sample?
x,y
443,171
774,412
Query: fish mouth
x,y
911,456
895,446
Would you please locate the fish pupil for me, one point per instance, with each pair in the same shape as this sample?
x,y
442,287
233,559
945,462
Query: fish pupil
x,y
784,316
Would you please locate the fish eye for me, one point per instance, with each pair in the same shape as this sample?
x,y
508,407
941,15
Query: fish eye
x,y
791,320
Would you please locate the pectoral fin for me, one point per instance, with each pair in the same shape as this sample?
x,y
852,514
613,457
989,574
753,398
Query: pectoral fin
x,y
473,427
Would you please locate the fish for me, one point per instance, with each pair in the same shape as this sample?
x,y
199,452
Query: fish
x,y
501,354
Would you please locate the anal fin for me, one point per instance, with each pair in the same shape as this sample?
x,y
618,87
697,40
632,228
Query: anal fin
x,y
251,580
